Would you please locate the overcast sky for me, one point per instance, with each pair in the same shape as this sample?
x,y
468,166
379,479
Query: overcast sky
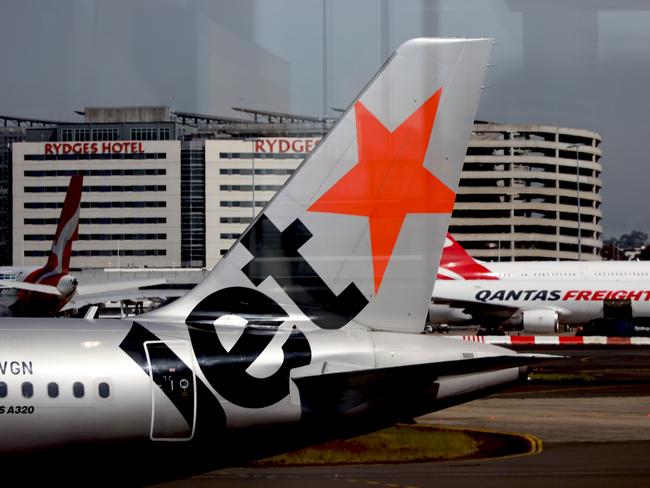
x,y
576,63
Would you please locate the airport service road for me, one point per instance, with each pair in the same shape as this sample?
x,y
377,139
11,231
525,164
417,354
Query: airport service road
x,y
619,465
555,419
613,407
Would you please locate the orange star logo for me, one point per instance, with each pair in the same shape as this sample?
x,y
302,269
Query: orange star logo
x,y
389,180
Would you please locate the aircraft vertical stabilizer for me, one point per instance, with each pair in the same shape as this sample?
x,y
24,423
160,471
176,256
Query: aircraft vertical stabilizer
x,y
457,264
355,235
47,289
67,230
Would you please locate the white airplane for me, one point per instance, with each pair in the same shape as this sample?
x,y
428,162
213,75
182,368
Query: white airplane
x,y
309,327
457,264
30,291
536,296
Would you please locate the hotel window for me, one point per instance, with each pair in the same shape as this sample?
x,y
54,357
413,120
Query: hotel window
x,y
144,134
105,134
82,134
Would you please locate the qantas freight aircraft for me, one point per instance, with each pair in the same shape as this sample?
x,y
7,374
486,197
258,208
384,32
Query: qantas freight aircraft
x,y
536,296
310,326
457,264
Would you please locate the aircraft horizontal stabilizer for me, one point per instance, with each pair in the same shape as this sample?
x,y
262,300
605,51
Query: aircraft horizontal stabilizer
x,y
24,285
117,292
394,387
535,355
96,289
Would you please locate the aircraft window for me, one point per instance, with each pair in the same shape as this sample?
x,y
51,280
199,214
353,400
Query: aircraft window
x,y
78,389
27,389
52,390
3,389
104,390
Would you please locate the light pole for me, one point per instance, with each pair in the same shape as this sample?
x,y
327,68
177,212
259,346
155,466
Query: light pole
x,y
253,177
577,148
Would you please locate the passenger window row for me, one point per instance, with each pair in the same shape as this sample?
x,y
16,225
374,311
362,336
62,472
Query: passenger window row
x,y
78,389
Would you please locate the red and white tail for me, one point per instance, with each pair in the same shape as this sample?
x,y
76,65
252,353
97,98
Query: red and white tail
x,y
47,289
457,264
68,229
356,233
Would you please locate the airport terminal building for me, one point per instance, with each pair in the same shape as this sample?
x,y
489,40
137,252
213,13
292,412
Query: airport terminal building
x,y
166,188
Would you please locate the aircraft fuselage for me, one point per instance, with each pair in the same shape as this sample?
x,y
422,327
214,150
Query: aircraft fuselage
x,y
72,382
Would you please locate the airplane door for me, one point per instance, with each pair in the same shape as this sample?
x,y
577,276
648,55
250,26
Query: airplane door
x,y
173,391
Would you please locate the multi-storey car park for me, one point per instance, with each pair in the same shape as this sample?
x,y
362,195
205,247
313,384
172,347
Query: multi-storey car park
x,y
530,192
519,197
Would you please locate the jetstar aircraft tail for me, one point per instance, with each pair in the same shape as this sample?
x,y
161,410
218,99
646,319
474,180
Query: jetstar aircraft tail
x,y
356,233
457,264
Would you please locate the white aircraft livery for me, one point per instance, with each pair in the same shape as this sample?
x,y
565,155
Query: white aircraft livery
x,y
310,325
457,264
537,297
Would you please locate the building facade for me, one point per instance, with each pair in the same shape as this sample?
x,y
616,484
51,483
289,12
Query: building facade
x,y
8,137
241,177
130,208
166,188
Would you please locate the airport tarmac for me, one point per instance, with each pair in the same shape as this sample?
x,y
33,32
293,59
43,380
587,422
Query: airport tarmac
x,y
594,434
611,405
603,465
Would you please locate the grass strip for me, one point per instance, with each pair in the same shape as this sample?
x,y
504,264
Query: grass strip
x,y
403,443
561,378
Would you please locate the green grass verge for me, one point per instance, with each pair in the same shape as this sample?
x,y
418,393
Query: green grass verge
x,y
561,378
393,445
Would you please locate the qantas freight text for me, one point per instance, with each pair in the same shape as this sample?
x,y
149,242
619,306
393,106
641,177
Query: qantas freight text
x,y
555,295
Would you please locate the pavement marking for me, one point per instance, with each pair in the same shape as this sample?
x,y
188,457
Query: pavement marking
x,y
536,444
376,483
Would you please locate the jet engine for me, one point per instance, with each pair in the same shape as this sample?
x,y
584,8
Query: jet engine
x,y
540,321
67,285
444,314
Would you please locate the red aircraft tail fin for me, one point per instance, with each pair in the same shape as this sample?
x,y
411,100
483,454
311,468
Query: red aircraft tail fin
x,y
68,229
457,264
